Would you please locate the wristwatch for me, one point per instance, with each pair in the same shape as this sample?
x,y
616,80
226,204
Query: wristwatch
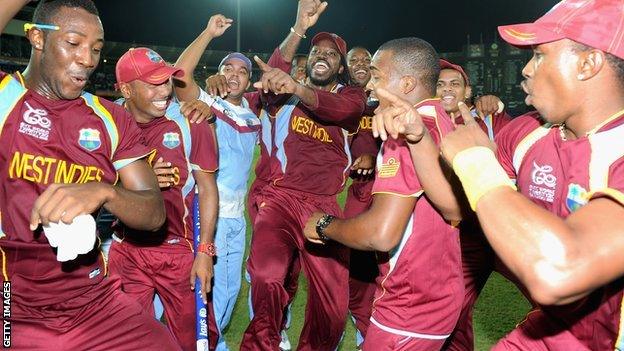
x,y
207,248
323,223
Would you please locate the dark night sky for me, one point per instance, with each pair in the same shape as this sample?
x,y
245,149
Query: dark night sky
x,y
445,24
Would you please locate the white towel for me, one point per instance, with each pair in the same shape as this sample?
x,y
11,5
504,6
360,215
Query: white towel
x,y
72,239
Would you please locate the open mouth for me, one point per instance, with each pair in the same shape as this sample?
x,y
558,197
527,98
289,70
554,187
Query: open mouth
x,y
232,84
321,67
78,80
448,99
360,73
160,104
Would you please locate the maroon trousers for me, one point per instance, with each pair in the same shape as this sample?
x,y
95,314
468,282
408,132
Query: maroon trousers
x,y
102,319
478,262
145,272
277,239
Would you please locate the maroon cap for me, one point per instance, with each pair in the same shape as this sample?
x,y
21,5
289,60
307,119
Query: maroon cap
x,y
447,65
146,65
595,23
334,38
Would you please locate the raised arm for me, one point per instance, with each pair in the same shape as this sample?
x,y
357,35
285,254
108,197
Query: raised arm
x,y
402,119
10,8
186,88
308,12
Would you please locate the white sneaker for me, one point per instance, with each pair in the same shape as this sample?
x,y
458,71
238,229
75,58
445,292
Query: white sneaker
x,y
285,343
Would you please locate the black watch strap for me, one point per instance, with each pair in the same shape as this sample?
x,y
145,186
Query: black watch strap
x,y
323,223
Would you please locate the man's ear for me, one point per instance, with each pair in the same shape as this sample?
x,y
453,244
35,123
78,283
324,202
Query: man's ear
x,y
36,38
126,90
590,63
408,84
468,93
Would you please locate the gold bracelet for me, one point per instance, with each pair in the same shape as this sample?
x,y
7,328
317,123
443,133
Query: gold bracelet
x,y
302,36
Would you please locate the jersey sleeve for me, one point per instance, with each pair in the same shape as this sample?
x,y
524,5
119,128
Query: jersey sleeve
x,y
131,143
615,187
508,138
204,148
344,108
395,171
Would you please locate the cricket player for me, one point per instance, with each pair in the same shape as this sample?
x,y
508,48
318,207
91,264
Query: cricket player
x,y
309,161
166,264
64,150
236,128
420,287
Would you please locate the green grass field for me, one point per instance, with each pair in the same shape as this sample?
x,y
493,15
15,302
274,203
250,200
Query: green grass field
x,y
500,307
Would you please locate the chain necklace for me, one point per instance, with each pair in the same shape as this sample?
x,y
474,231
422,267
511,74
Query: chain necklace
x,y
562,133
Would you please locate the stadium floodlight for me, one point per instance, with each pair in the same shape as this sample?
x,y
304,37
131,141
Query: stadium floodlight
x,y
238,25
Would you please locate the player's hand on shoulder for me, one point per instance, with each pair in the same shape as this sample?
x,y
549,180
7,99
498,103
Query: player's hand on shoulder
x,y
216,85
64,202
396,118
464,137
196,111
203,270
274,79
487,105
217,25
364,165
164,173
310,228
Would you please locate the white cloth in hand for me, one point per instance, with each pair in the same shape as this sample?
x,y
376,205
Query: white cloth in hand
x,y
72,239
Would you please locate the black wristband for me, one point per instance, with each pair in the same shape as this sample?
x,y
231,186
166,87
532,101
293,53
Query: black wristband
x,y
323,223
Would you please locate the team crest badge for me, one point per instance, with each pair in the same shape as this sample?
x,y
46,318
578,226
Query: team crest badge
x,y
171,140
89,139
153,56
577,197
390,168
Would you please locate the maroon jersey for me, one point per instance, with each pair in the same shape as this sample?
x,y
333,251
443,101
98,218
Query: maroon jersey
x,y
309,145
561,176
420,286
170,139
363,141
54,141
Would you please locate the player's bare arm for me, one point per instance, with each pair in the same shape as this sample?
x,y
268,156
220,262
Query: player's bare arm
x,y
378,229
138,203
567,258
279,82
308,12
208,208
196,111
185,87
400,119
9,9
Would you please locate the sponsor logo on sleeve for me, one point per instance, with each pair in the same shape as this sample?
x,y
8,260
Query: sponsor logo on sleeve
x,y
36,123
171,140
390,168
543,183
